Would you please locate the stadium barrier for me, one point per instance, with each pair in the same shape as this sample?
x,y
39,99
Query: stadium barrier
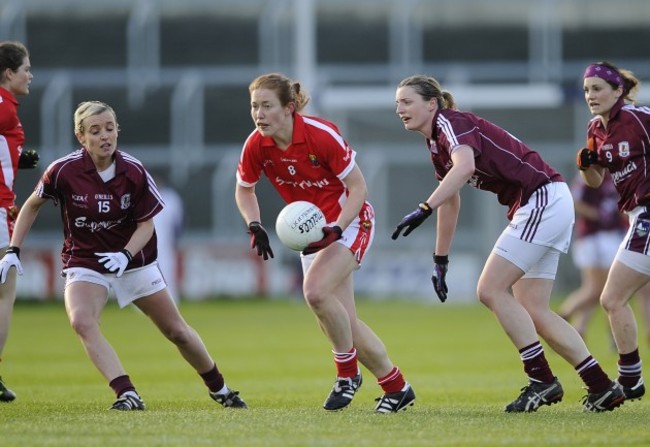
x,y
218,270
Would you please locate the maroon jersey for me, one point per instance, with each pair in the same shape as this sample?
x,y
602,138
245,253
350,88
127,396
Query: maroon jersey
x,y
624,149
603,198
312,168
504,165
12,138
100,217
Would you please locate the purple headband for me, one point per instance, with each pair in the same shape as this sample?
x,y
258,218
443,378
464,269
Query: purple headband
x,y
608,74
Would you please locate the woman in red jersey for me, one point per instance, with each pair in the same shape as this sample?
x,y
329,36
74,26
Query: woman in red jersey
x,y
108,201
619,142
306,158
15,77
517,280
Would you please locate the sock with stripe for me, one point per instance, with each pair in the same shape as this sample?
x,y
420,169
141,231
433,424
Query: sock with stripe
x,y
593,375
346,363
393,382
629,368
535,364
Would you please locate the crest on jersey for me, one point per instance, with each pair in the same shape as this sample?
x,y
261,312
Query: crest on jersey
x,y
125,201
624,149
642,228
313,160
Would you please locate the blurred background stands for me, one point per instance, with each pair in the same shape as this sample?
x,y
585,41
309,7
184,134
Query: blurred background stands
x,y
177,75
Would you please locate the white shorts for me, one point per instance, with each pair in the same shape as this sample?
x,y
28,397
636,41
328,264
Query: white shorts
x,y
596,250
536,261
635,248
357,237
133,284
7,221
539,231
547,219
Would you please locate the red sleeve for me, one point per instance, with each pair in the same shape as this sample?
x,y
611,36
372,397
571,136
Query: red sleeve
x,y
249,169
8,118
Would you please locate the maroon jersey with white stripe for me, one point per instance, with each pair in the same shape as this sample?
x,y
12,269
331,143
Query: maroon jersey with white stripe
x,y
311,168
97,216
12,138
504,165
624,149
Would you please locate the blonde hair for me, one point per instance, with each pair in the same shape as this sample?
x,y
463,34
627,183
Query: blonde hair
x,y
429,88
90,108
286,89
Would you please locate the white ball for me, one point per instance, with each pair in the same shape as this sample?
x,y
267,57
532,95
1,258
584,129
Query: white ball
x,y
299,224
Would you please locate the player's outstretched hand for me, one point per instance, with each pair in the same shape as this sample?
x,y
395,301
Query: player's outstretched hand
x,y
332,234
260,240
585,158
10,259
413,220
440,265
115,261
28,159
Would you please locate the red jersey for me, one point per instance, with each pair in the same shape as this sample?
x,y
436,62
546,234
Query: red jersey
x,y
12,139
101,216
624,149
311,168
504,165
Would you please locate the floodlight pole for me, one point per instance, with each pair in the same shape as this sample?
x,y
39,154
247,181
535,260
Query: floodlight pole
x,y
305,47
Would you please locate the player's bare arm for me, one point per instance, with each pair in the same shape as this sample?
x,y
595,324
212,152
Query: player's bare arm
x,y
356,184
446,225
593,176
26,218
461,171
141,236
247,203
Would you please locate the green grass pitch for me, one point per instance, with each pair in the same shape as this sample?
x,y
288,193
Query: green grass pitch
x,y
461,365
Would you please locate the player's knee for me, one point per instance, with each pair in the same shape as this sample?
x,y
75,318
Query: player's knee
x,y
178,334
83,326
611,303
314,296
486,294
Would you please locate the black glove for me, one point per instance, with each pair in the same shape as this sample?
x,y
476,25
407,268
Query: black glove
x,y
260,240
332,234
28,159
440,265
413,220
585,158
